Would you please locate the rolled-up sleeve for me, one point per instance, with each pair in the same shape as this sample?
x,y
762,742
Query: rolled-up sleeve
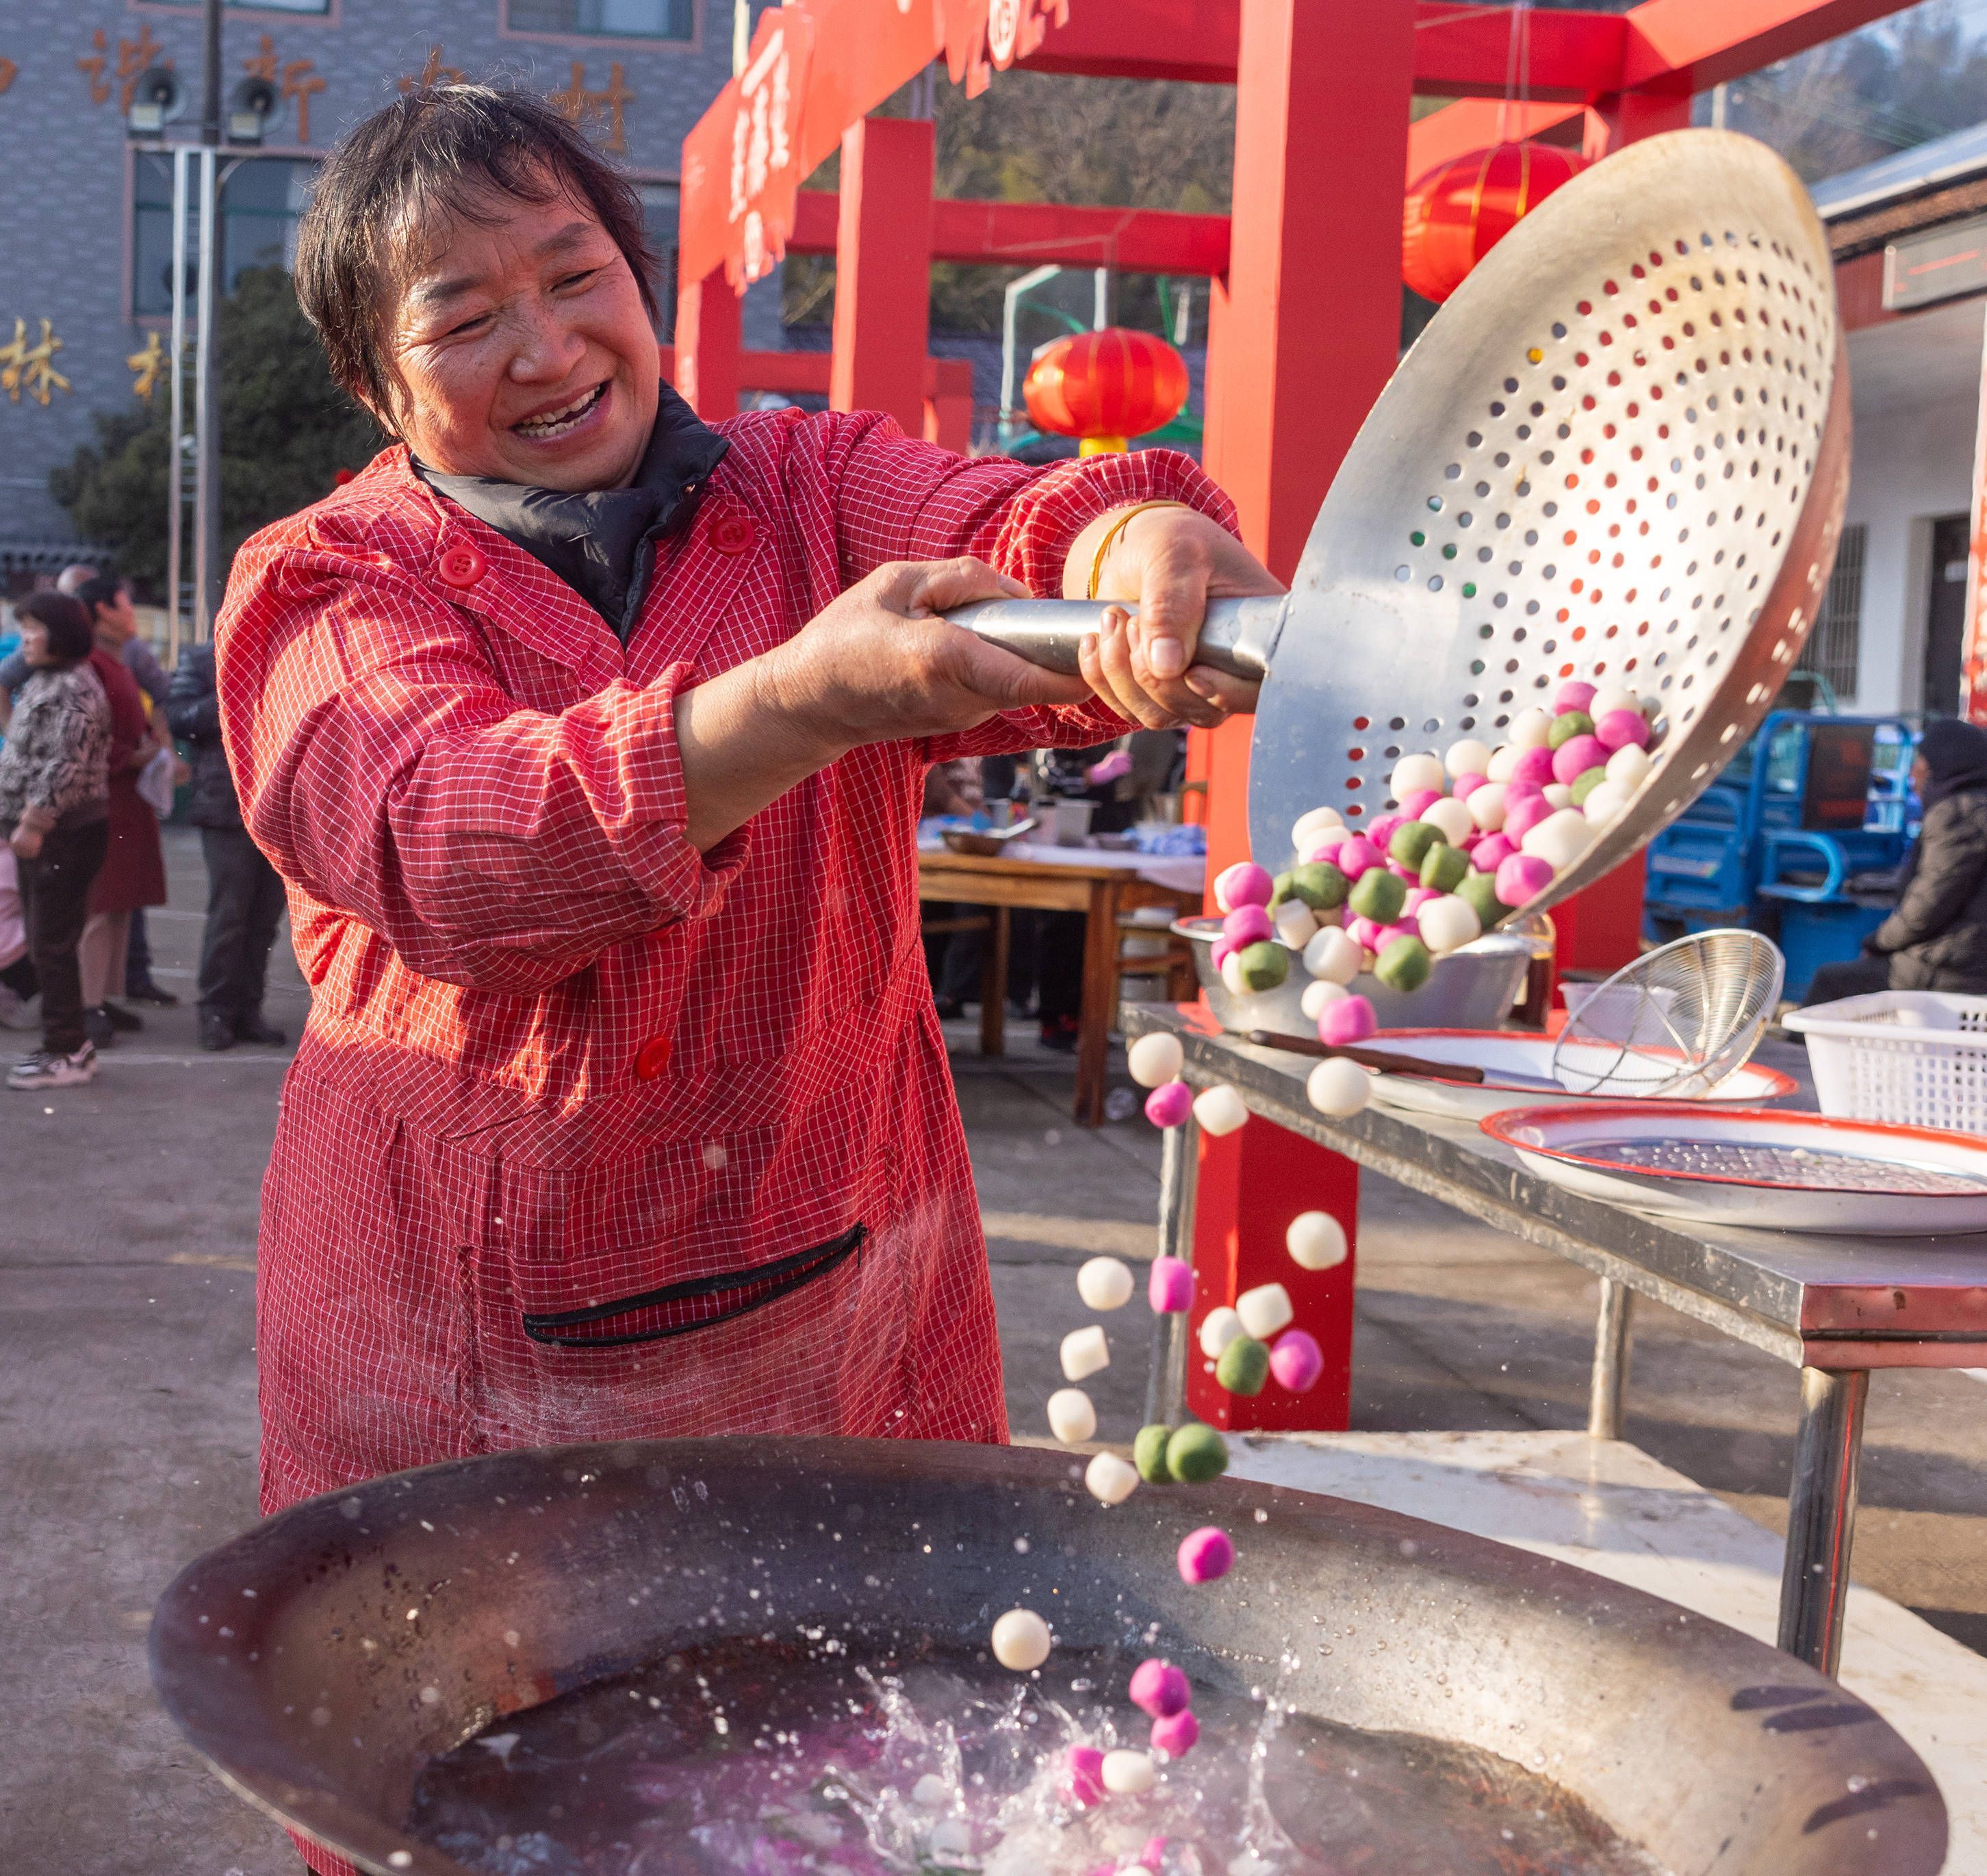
x,y
386,771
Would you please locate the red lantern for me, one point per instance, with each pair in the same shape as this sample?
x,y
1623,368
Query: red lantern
x,y
1461,209
1105,387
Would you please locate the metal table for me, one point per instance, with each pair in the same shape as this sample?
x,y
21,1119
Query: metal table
x,y
1834,1307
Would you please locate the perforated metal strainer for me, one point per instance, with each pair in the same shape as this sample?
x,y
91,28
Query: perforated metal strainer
x,y
1618,453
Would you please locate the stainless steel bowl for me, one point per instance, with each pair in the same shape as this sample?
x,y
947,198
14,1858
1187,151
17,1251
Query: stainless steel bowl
x,y
1473,988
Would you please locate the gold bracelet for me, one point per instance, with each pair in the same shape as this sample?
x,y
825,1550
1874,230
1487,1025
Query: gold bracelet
x,y
1113,530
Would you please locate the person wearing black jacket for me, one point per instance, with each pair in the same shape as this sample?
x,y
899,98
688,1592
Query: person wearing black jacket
x,y
1936,938
244,896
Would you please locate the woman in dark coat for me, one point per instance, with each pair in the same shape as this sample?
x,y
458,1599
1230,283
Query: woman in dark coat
x,y
1936,940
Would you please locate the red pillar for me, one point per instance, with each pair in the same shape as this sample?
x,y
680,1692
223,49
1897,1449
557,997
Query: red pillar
x,y
1306,331
708,323
1628,116
882,270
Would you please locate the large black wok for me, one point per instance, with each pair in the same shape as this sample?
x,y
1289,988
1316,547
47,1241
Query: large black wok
x,y
322,1659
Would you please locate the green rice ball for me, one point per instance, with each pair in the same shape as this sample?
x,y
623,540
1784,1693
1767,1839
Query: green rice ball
x,y
1478,891
1244,1366
1404,965
1378,894
1445,868
1567,725
1412,840
1196,1453
1263,966
1149,1453
1585,783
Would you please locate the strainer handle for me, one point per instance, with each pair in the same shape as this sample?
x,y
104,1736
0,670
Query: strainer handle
x,y
1237,636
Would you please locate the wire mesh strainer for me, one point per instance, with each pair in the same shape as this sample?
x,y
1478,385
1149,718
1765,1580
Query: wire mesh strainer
x,y
1675,1022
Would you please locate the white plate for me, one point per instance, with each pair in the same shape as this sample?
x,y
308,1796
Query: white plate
x,y
1784,1171
1499,1053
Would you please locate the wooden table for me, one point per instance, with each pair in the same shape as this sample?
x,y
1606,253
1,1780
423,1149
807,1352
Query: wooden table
x,y
1100,884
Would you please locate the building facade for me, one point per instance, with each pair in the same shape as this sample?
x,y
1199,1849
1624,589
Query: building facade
x,y
85,233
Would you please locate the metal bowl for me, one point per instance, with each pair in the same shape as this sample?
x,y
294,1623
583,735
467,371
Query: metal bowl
x,y
1473,988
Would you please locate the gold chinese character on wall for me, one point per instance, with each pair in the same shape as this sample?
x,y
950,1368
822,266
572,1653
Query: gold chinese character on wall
x,y
433,72
9,71
135,57
145,367
604,107
296,80
28,368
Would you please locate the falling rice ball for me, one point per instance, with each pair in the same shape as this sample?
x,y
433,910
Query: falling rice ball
x,y
1104,1283
1218,1328
1319,992
1295,923
1021,1640
1084,1351
1085,1766
1175,1734
1316,1241
1219,1110
932,1792
1449,923
1155,1060
1159,1688
1243,884
1243,1368
1109,1479
1412,772
1264,1309
1339,1088
1148,1453
1170,1105
1345,1020
1205,1554
1333,955
1169,1288
1195,1453
1296,1361
1467,758
1072,1418
1127,1773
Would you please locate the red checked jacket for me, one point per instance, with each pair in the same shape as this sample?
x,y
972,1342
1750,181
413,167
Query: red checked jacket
x,y
591,1135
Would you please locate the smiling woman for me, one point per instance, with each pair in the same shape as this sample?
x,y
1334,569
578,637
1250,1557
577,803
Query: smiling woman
x,y
590,739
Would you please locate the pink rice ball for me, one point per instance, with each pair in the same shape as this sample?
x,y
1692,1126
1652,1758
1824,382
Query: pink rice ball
x,y
1362,931
1534,766
1327,853
1346,1020
1469,843
1175,1734
1225,947
1297,1360
1467,785
1382,831
1086,1774
1169,1289
1418,896
1520,820
1205,1554
1516,792
1248,925
1574,756
1404,926
1521,877
1169,1106
1356,856
1490,852
1159,1688
1620,727
1153,1854
1404,873
1243,884
1572,695
1416,800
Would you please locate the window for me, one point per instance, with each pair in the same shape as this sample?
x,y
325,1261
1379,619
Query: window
x,y
659,201
1834,646
608,20
281,6
261,198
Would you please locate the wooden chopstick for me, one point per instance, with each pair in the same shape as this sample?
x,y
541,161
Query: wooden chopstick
x,y
1383,1060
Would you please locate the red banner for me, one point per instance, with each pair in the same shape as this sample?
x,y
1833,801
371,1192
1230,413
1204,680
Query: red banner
x,y
982,34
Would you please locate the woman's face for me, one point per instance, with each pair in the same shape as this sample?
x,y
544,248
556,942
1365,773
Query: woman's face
x,y
525,352
34,643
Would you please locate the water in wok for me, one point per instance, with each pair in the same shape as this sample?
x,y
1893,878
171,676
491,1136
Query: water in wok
x,y
770,1656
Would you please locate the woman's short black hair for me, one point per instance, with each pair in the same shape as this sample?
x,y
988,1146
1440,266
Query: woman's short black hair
x,y
392,183
100,590
71,635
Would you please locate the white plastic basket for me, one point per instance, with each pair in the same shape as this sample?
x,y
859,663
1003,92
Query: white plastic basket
x,y
1918,1057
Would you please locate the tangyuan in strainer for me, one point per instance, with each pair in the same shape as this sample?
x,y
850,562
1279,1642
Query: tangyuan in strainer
x,y
1619,452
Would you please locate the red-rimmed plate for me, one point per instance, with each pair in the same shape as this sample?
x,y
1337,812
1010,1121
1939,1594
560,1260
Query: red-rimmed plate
x,y
1784,1171
1514,1067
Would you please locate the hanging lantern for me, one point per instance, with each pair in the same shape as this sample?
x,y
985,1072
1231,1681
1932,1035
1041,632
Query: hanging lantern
x,y
1105,387
1461,209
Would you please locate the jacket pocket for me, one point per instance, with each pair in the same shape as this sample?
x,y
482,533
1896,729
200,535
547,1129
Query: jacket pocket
x,y
699,1303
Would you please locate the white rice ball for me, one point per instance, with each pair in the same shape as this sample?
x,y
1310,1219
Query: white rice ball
x,y
1156,1060
1449,818
1449,923
1338,1086
1218,1328
1231,975
1558,793
1265,1310
1104,1283
1413,772
1319,992
1219,1110
1294,924
1502,761
1612,697
1333,955
1084,1352
1314,828
1486,806
1072,1418
1560,839
1529,728
1127,1773
1608,801
1021,1640
1467,758
1628,765
931,1793
1316,1241
1109,1479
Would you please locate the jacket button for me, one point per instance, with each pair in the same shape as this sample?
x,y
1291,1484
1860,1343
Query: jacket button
x,y
732,534
653,1058
461,566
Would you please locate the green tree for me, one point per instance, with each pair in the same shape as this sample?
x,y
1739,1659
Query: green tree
x,y
286,430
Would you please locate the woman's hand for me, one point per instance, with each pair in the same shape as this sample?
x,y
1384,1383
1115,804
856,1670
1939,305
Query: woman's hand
x,y
26,841
1169,562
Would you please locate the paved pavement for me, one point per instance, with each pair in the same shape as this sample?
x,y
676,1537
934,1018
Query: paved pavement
x,y
127,1423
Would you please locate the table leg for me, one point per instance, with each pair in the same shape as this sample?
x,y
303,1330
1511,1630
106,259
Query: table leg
x,y
993,985
1821,1514
1165,1383
1100,995
1609,1386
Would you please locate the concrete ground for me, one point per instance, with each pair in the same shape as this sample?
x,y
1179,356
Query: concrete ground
x,y
127,1412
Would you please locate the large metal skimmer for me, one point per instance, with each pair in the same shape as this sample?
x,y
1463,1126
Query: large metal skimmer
x,y
1619,452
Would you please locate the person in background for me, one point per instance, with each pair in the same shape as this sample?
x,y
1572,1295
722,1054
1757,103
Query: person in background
x,y
54,802
19,984
73,578
1936,938
244,895
133,872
